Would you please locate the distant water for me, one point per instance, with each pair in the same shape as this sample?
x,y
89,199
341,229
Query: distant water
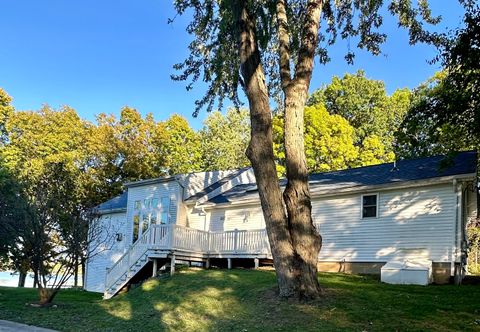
x,y
10,279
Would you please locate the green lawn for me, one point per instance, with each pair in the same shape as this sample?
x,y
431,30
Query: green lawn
x,y
243,300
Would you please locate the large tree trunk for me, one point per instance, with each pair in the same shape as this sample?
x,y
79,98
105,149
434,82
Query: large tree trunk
x,y
305,238
289,264
75,271
46,295
83,272
22,276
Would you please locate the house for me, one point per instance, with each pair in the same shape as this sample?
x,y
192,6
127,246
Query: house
x,y
367,217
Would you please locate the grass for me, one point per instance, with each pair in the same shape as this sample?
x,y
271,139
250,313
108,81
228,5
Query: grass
x,y
244,300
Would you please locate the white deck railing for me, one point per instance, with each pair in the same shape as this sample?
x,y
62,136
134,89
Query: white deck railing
x,y
175,237
123,265
191,239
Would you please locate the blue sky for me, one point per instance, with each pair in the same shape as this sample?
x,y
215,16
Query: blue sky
x,y
97,56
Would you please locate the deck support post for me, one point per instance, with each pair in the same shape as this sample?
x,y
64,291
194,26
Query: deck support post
x,y
257,262
155,268
207,263
229,261
172,265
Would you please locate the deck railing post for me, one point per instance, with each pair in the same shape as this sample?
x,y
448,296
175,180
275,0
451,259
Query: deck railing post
x,y
129,260
208,241
235,240
172,265
171,236
106,277
149,240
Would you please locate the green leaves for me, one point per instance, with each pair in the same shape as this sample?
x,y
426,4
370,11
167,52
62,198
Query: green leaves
x,y
214,59
6,110
224,140
331,143
365,104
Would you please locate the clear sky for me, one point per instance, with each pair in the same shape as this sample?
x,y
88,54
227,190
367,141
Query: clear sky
x,y
99,55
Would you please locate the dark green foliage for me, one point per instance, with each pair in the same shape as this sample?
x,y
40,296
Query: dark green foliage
x,y
422,133
458,102
13,215
445,113
364,102
214,59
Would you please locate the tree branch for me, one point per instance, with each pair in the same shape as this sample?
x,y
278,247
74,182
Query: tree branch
x,y
309,42
284,44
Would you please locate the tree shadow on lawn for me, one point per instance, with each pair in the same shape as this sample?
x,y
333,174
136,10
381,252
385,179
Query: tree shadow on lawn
x,y
213,300
245,300
238,300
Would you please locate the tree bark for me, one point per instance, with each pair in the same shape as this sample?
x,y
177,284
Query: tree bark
x,y
305,238
75,271
22,276
306,241
83,272
260,153
46,295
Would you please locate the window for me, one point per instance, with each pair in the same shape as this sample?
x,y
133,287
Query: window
x,y
137,205
145,223
164,209
164,217
153,218
136,224
369,206
165,204
146,203
154,203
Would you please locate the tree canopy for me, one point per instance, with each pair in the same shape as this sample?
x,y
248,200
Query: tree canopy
x,y
224,140
365,104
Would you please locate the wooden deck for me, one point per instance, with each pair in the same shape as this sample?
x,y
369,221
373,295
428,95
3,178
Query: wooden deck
x,y
174,241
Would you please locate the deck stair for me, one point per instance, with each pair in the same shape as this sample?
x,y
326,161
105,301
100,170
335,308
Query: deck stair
x,y
170,241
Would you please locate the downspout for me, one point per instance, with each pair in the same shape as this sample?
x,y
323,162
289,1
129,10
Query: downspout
x,y
460,244
464,238
455,236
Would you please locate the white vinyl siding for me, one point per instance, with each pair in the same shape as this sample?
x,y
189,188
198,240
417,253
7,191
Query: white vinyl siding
x,y
241,218
108,251
196,218
145,194
409,218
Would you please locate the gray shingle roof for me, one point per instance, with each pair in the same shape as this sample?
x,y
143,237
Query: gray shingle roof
x,y
117,203
407,170
216,185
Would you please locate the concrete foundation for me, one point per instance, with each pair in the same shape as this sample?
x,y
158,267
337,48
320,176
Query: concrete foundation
x,y
441,271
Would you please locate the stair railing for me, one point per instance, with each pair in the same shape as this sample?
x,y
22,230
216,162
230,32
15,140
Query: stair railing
x,y
129,258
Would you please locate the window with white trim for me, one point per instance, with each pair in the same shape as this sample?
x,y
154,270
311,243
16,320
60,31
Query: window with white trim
x,y
370,206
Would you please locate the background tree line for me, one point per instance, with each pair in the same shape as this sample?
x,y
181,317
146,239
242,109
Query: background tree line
x,y
55,167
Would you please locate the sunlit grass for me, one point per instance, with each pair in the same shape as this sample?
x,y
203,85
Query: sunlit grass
x,y
244,300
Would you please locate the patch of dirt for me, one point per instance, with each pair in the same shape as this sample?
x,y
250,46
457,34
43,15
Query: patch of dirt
x,y
39,305
326,297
